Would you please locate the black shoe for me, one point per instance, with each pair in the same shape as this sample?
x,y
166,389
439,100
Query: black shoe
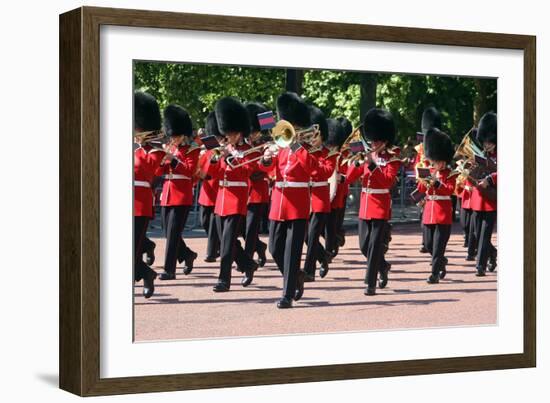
x,y
388,266
370,291
383,280
209,259
492,262
465,244
261,255
340,240
221,287
480,273
445,260
189,260
150,253
470,258
149,283
249,275
309,278
284,303
433,279
442,273
323,271
423,250
167,276
299,285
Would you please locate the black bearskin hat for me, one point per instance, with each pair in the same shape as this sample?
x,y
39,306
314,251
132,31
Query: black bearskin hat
x,y
253,109
487,129
146,112
346,125
336,133
318,117
232,116
177,121
378,125
292,108
431,118
438,146
211,125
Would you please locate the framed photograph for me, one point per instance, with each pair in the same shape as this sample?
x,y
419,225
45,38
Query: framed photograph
x,y
147,305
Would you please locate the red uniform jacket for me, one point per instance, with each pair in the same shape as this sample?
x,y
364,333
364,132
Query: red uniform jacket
x,y
320,192
439,207
377,181
259,184
209,187
146,162
290,196
478,201
467,194
342,187
177,189
232,194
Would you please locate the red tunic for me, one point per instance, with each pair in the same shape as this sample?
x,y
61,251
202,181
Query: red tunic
x,y
177,189
478,201
259,184
290,196
342,187
232,194
439,207
209,187
320,192
467,194
146,162
377,183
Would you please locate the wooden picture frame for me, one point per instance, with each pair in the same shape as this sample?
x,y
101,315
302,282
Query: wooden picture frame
x,y
80,184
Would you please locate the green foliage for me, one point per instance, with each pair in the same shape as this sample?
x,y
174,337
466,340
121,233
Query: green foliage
x,y
196,87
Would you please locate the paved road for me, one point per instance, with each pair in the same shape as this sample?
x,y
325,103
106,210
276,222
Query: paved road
x,y
187,308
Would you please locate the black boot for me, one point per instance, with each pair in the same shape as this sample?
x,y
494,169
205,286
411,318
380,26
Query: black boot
x,y
249,274
370,291
300,285
323,271
492,261
189,260
221,287
433,279
167,276
149,283
261,254
284,303
480,272
383,280
150,254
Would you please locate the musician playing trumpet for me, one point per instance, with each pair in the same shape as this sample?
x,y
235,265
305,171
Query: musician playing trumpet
x,y
438,209
378,170
290,198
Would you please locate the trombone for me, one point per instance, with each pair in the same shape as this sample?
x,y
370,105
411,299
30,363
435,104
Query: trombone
x,y
283,135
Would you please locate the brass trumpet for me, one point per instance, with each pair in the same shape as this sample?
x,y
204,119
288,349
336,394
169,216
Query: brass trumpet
x,y
468,148
283,135
150,136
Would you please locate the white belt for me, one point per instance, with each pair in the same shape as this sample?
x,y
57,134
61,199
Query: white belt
x,y
225,183
436,197
142,184
318,184
286,184
375,191
175,176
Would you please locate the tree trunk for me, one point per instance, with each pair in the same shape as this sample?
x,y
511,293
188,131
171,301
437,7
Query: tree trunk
x,y
369,81
480,101
294,80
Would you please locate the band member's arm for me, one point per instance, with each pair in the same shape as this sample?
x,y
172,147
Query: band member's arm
x,y
354,172
268,164
445,186
492,179
326,166
386,177
186,164
213,168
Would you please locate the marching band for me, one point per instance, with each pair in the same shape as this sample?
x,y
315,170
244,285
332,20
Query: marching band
x,y
297,170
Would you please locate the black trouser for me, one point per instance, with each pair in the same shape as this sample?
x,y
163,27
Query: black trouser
x,y
371,242
173,222
286,240
454,202
208,222
465,215
229,227
254,216
484,224
315,250
140,230
331,228
147,244
437,236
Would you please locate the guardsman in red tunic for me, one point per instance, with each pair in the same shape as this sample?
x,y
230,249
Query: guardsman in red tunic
x,y
438,210
146,161
258,196
290,199
379,171
177,190
484,202
335,234
320,197
209,192
232,197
